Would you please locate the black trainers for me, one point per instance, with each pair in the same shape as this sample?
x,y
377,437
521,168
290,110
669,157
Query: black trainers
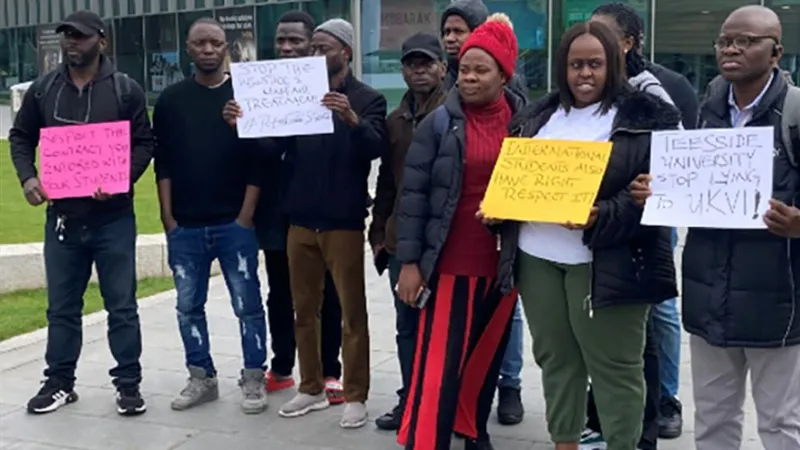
x,y
130,401
53,395
670,423
391,420
509,406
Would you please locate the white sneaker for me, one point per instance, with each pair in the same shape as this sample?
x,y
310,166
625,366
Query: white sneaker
x,y
303,404
354,415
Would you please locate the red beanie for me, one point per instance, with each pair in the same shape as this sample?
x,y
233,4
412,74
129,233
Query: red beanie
x,y
496,37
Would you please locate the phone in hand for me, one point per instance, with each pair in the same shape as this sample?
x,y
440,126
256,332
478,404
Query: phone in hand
x,y
422,298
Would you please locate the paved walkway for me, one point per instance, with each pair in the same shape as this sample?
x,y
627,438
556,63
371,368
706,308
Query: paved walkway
x,y
92,423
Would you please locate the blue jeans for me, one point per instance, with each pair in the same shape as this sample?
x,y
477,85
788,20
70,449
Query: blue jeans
x,y
111,247
407,321
667,325
511,368
191,252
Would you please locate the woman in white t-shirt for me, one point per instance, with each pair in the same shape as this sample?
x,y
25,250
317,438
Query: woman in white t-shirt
x,y
586,289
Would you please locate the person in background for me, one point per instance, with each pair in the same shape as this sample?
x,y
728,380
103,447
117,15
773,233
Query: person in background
x,y
423,70
465,322
82,232
208,188
666,322
740,293
326,205
292,40
586,303
458,21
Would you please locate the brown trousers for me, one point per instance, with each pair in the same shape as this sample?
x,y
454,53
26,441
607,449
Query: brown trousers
x,y
342,253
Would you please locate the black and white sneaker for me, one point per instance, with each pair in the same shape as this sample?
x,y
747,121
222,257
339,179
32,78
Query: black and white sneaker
x,y
130,401
53,395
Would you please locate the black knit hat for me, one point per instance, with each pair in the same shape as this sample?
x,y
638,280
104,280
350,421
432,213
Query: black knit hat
x,y
474,12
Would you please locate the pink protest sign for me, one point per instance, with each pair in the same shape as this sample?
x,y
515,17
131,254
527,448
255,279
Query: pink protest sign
x,y
76,160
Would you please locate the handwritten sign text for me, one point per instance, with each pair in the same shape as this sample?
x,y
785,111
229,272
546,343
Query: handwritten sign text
x,y
282,97
715,178
542,180
76,160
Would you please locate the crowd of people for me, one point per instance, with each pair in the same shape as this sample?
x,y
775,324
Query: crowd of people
x,y
599,297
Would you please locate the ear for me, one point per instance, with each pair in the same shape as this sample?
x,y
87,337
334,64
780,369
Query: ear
x,y
441,68
503,78
103,44
777,53
628,43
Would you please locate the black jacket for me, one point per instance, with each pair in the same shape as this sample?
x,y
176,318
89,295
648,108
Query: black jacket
x,y
631,264
100,99
741,288
430,191
680,91
327,187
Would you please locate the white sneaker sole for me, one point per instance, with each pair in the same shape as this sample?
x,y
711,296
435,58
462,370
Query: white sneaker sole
x,y
358,424
318,406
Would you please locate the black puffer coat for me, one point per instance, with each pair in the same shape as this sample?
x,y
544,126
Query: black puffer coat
x,y
632,264
741,288
431,188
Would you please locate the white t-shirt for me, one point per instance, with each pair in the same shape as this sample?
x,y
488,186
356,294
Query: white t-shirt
x,y
551,241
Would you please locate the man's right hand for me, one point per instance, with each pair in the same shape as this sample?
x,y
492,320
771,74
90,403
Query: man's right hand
x,y
409,284
169,223
34,193
231,112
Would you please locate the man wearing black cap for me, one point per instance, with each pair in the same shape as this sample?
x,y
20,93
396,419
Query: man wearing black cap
x,y
80,232
423,69
458,21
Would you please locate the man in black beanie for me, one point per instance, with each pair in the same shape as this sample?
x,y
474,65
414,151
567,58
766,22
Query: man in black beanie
x,y
458,21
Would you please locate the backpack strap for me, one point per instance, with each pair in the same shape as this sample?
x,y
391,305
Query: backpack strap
x,y
41,87
790,124
122,89
441,121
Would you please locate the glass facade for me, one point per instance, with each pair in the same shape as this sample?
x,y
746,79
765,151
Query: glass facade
x,y
147,36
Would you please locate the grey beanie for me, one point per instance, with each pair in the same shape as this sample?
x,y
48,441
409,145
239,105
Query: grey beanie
x,y
474,12
340,29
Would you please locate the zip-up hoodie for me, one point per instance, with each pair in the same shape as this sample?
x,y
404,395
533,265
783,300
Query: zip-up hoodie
x,y
97,101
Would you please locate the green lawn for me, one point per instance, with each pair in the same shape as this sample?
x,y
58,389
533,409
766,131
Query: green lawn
x,y
21,223
24,311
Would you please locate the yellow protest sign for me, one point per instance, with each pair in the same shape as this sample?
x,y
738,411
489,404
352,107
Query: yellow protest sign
x,y
541,180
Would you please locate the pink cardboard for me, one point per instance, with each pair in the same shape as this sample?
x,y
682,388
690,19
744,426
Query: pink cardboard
x,y
76,160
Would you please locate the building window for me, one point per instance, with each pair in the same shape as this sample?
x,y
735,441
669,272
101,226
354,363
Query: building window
x,y
163,5
130,48
48,47
684,37
132,7
239,26
323,10
267,20
115,8
26,53
163,67
789,12
181,5
9,64
219,2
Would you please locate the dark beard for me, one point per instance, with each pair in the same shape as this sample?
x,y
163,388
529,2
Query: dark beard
x,y
85,59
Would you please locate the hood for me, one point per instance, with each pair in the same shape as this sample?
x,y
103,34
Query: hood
x,y
453,102
636,110
647,82
474,12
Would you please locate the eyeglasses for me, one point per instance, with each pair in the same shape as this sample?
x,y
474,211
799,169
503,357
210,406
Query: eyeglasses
x,y
88,107
742,42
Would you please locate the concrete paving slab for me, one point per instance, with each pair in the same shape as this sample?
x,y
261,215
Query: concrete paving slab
x,y
92,423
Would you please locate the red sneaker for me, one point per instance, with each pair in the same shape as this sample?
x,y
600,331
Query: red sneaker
x,y
277,383
334,391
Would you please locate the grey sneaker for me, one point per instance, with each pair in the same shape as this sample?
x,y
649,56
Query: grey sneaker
x,y
254,391
200,389
303,404
354,415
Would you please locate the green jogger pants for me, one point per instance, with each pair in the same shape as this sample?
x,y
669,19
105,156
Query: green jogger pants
x,y
570,346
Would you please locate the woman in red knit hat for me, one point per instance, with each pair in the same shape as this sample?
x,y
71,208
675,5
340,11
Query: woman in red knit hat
x,y
454,268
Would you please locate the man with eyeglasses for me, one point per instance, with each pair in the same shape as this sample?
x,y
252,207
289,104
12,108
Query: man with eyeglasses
x,y
741,289
81,232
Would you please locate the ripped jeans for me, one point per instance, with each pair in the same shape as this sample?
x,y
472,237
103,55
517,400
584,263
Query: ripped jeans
x,y
191,252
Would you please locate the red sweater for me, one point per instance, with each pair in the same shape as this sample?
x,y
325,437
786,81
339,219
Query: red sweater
x,y
470,249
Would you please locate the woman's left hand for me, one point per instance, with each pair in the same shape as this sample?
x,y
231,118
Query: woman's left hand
x,y
640,188
589,222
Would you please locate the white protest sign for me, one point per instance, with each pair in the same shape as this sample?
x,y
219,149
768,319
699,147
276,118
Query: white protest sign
x,y
713,178
282,97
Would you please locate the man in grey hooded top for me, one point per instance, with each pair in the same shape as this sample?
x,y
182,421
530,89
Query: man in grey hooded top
x,y
458,21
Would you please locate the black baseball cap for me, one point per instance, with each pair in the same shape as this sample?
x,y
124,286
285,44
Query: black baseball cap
x,y
85,22
424,44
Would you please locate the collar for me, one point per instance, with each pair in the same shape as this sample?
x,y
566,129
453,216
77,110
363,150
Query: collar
x,y
345,82
411,111
754,103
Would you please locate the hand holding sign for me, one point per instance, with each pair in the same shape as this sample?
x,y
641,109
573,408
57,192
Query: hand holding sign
x,y
339,103
589,222
231,112
640,189
782,219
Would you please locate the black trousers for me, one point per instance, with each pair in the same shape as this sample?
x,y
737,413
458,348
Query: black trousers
x,y
280,314
68,261
649,440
